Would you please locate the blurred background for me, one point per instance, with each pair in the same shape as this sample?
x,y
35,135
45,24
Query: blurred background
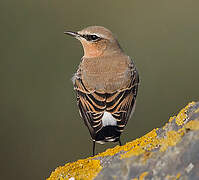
x,y
40,125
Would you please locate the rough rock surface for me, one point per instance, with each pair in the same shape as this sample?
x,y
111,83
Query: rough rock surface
x,y
170,152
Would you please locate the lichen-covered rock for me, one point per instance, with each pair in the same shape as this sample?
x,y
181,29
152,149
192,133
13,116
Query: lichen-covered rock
x,y
170,152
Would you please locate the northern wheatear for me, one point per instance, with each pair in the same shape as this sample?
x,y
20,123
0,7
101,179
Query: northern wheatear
x,y
106,84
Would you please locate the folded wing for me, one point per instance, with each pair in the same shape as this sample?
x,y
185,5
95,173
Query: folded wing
x,y
93,104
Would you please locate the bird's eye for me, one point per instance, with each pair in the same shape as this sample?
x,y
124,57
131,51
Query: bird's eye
x,y
92,37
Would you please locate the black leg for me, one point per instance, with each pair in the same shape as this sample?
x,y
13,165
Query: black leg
x,y
120,142
93,148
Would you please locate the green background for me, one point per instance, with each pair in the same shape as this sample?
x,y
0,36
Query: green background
x,y
40,125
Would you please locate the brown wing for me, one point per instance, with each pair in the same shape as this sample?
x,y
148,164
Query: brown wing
x,y
122,103
93,104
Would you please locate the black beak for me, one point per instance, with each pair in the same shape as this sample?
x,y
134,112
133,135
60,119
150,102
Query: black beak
x,y
74,34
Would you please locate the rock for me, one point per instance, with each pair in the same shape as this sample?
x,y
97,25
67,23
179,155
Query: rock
x,y
170,152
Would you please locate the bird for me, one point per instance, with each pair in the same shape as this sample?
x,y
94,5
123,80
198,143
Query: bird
x,y
106,84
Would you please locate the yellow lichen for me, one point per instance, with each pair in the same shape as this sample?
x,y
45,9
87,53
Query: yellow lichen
x,y
171,139
172,118
142,176
112,151
140,145
81,169
178,176
136,146
192,125
149,141
89,168
197,110
182,116
145,157
173,177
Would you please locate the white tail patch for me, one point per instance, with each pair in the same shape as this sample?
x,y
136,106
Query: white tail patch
x,y
108,119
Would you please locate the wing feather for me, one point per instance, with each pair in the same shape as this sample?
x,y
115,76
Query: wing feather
x,y
119,103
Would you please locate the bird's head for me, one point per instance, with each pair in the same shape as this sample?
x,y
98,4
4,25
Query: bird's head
x,y
96,41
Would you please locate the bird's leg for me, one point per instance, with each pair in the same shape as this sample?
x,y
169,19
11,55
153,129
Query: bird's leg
x,y
93,148
120,142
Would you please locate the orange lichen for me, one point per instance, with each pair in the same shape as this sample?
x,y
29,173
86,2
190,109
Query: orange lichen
x,y
182,116
81,169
